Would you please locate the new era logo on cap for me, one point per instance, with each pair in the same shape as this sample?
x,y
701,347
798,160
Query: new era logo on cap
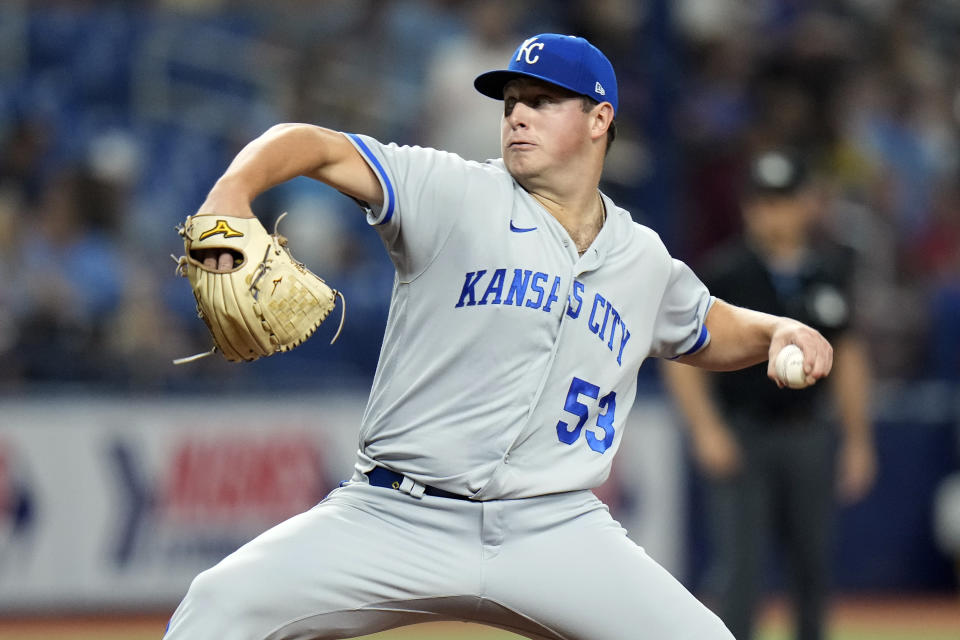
x,y
566,61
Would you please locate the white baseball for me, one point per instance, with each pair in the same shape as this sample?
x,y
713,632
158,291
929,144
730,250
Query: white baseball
x,y
789,367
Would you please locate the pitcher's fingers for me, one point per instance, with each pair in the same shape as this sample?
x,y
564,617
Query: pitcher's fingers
x,y
209,259
225,262
826,359
819,362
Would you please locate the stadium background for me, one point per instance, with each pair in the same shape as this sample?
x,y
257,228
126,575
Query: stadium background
x,y
121,475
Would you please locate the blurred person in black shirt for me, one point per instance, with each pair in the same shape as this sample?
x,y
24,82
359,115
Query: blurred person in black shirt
x,y
772,457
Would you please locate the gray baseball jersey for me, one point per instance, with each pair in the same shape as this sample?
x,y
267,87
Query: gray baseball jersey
x,y
509,363
508,367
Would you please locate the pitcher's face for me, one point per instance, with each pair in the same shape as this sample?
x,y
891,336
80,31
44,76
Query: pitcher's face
x,y
543,126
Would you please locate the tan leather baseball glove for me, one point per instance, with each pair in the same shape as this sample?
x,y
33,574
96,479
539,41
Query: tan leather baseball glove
x,y
268,302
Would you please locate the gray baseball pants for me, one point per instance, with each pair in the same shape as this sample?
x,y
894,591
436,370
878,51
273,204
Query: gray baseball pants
x,y
366,559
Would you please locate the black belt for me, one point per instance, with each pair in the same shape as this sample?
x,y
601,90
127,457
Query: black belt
x,y
381,477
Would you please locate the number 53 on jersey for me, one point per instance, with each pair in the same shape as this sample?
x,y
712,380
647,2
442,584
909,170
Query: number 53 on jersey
x,y
598,437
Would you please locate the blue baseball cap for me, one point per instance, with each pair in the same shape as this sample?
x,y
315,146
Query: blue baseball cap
x,y
566,61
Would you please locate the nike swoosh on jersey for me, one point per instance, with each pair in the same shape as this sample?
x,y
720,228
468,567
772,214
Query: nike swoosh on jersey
x,y
517,229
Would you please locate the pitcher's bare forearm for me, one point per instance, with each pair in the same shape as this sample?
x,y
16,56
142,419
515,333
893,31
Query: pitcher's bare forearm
x,y
287,151
742,337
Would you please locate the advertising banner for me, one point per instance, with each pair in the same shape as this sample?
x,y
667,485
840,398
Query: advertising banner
x,y
108,504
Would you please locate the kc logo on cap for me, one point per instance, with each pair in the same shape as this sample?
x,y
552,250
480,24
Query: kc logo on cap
x,y
527,48
566,61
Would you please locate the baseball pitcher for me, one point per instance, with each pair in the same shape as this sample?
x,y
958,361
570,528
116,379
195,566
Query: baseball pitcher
x,y
524,302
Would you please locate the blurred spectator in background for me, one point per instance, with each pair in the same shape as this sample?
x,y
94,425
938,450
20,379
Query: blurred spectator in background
x,y
770,455
460,121
11,202
72,278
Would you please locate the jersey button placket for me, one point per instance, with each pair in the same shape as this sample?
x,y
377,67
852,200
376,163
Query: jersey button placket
x,y
571,275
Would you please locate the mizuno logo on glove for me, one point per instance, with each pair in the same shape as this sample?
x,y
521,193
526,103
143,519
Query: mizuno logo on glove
x,y
221,227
